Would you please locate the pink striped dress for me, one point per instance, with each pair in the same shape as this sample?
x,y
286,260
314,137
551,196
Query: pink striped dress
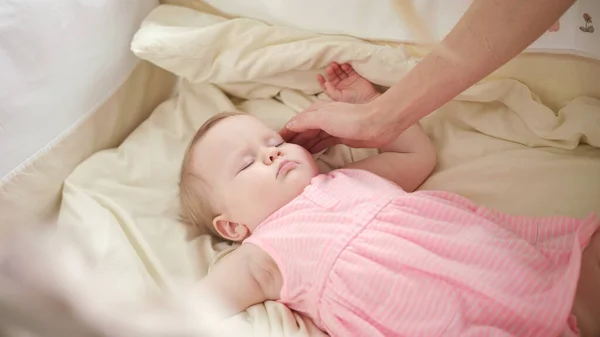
x,y
361,257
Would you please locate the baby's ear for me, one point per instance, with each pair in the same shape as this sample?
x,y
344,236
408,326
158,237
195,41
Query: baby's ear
x,y
230,230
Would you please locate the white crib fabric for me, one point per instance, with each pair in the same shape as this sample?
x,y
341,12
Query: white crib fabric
x,y
379,20
59,61
498,144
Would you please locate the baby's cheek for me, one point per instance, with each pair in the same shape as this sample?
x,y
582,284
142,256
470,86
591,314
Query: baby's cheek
x,y
312,165
307,157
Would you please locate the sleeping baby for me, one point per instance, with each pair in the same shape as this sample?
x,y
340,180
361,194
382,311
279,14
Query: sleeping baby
x,y
362,253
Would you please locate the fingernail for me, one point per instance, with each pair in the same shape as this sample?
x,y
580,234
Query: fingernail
x,y
291,123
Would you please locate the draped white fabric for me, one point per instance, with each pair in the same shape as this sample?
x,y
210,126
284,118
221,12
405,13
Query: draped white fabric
x,y
59,60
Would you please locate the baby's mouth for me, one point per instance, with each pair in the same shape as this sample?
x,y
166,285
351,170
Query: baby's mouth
x,y
285,166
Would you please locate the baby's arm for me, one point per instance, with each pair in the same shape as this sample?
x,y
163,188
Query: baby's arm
x,y
245,277
407,161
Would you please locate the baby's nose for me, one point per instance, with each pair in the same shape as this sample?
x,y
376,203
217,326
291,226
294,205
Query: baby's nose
x,y
273,153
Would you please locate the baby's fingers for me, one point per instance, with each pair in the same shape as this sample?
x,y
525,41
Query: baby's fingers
x,y
332,92
339,72
347,69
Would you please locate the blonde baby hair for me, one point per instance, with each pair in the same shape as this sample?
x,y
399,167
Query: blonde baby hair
x,y
196,209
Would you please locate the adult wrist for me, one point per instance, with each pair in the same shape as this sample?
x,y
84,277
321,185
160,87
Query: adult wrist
x,y
384,121
387,110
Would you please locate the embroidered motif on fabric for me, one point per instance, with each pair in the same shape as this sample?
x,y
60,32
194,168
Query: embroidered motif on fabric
x,y
587,27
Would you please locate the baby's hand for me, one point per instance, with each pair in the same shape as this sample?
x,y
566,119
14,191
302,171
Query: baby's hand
x,y
344,84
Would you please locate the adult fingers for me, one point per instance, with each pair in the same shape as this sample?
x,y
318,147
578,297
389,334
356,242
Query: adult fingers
x,y
324,144
305,137
310,143
287,134
321,115
306,120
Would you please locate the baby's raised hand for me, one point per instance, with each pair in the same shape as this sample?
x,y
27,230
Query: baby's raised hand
x,y
344,84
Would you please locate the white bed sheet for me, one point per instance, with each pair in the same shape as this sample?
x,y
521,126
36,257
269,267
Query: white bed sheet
x,y
123,201
59,61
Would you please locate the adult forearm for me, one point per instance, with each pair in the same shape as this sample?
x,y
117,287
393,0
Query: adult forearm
x,y
489,34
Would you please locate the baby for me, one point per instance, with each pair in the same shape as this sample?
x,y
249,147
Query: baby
x,y
362,254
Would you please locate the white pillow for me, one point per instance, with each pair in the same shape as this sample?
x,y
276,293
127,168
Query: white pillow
x,y
205,48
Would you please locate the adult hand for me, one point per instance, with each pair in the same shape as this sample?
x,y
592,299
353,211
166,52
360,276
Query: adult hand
x,y
325,124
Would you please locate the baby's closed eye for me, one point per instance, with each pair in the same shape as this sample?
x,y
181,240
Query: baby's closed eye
x,y
275,141
247,162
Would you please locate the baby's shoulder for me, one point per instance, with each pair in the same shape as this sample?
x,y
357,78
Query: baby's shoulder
x,y
263,269
250,253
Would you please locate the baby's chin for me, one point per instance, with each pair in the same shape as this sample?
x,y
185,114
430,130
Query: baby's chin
x,y
296,183
265,207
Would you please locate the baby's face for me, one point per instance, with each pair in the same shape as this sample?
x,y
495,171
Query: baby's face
x,y
250,171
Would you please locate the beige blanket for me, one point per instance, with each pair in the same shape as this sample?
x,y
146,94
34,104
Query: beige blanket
x,y
498,144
